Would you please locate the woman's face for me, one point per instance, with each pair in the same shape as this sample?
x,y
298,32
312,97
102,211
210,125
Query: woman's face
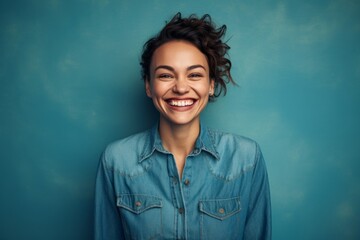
x,y
179,83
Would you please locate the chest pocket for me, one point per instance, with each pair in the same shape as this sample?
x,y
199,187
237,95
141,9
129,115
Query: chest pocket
x,y
219,218
141,215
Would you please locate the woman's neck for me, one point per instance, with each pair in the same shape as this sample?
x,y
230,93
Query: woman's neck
x,y
179,139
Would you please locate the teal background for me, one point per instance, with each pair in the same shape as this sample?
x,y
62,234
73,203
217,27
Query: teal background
x,y
70,84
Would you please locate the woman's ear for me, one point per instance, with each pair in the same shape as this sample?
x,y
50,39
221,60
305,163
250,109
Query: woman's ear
x,y
148,88
212,87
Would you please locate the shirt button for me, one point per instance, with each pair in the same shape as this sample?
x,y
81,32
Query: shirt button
x,y
221,211
181,210
187,182
138,204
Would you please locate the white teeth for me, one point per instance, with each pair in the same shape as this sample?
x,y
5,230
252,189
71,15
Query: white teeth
x,y
181,103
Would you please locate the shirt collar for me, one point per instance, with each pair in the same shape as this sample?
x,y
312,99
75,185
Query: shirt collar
x,y
204,142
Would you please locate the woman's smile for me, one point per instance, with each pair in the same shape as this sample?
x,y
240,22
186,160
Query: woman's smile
x,y
180,102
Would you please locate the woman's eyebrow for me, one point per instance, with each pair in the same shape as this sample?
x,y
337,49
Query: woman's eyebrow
x,y
165,67
195,66
172,69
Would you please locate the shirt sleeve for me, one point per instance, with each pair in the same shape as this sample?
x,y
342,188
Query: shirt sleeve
x,y
108,224
258,220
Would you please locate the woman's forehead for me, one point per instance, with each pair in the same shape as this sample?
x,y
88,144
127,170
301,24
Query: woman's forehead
x,y
180,54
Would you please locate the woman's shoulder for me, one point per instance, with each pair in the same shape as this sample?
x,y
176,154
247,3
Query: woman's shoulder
x,y
231,139
237,154
232,144
128,147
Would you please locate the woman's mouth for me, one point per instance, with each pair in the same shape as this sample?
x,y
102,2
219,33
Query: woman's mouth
x,y
180,102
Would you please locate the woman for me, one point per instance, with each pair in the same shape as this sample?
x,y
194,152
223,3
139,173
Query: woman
x,y
181,180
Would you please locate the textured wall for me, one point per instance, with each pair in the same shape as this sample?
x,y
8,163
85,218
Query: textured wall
x,y
70,84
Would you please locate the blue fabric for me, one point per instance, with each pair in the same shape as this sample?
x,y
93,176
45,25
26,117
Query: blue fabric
x,y
223,194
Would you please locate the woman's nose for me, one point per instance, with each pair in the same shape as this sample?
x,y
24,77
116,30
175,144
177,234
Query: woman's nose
x,y
181,86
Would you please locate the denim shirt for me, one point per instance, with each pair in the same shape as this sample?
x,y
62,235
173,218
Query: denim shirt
x,y
223,193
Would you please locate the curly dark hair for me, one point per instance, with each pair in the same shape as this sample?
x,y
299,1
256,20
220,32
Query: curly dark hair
x,y
202,33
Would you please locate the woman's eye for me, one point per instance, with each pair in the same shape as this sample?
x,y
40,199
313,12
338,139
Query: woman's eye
x,y
165,76
195,75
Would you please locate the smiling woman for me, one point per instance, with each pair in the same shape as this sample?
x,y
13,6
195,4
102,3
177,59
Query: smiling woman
x,y
180,179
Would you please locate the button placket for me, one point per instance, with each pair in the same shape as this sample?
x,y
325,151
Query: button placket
x,y
175,181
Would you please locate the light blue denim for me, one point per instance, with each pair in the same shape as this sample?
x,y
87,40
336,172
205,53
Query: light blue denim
x,y
223,194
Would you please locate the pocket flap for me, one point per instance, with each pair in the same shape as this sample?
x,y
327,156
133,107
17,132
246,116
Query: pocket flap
x,y
138,203
220,208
